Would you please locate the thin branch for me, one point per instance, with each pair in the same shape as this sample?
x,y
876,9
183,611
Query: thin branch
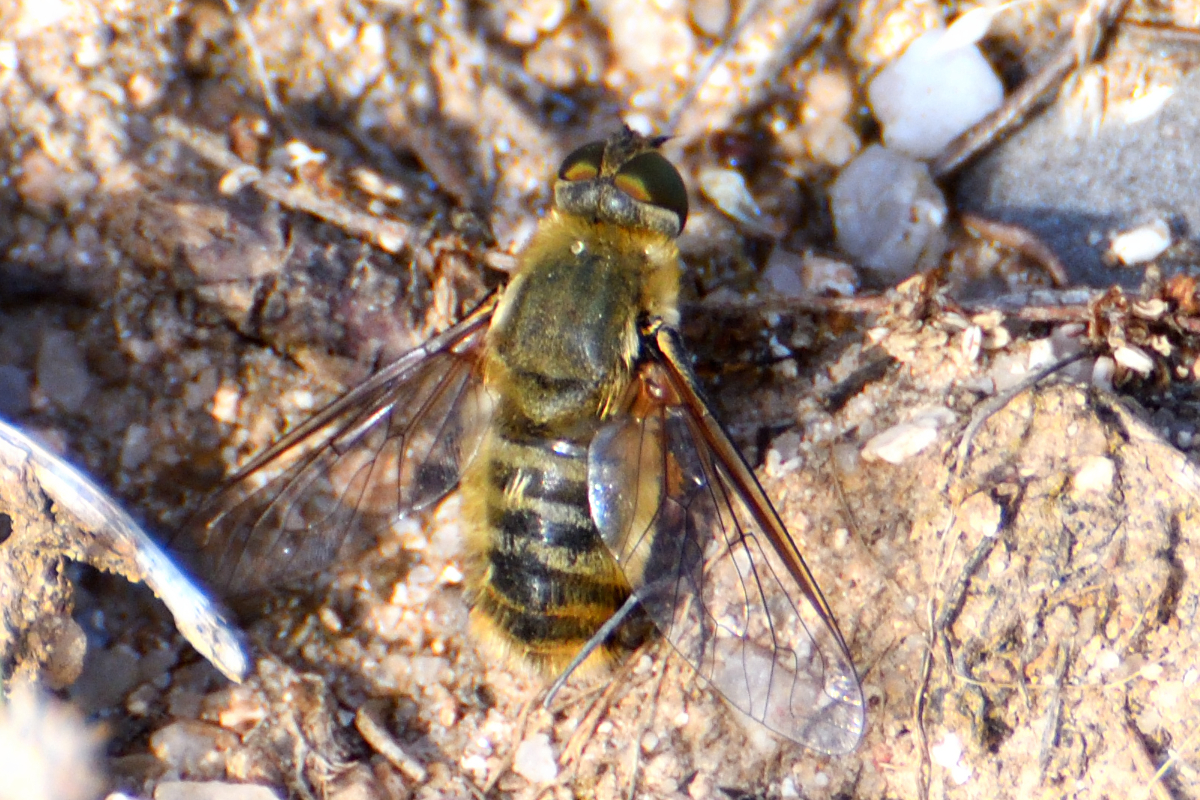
x,y
1023,241
389,234
1093,23
257,63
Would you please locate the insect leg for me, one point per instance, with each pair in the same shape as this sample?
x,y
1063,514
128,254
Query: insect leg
x,y
598,639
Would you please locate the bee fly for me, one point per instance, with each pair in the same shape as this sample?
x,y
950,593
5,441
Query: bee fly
x,y
594,476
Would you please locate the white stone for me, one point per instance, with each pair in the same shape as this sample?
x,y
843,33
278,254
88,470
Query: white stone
x,y
1096,475
1108,660
710,16
938,88
899,443
1141,244
192,746
212,790
1146,105
948,754
1102,373
46,749
534,760
61,369
782,273
727,190
1134,359
820,275
888,213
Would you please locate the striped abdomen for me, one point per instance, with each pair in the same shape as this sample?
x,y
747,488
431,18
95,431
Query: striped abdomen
x,y
542,580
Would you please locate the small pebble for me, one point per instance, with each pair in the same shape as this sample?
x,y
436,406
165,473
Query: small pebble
x,y
1134,359
534,760
65,645
727,190
429,670
62,374
1102,373
822,276
937,89
948,755
1096,475
1041,354
14,391
529,20
46,749
828,94
972,343
888,213
899,443
112,673
1108,660
980,514
832,141
710,16
212,790
1141,244
191,746
45,185
782,273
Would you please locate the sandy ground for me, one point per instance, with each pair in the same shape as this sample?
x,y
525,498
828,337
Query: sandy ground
x,y
1022,613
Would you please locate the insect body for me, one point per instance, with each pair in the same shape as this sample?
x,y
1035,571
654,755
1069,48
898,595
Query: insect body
x,y
591,469
559,359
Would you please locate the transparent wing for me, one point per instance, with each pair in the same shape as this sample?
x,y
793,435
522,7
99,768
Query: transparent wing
x,y
395,444
713,565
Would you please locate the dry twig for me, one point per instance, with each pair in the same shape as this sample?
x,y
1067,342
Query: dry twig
x,y
1023,241
391,235
376,734
257,62
1093,22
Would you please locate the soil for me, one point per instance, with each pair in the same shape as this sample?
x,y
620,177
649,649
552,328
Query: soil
x,y
216,222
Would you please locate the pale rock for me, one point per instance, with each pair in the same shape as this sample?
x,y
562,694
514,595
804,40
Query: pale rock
x,y
192,746
47,751
1102,373
212,790
727,190
62,374
939,87
901,442
888,214
1142,243
820,275
710,16
782,273
535,761
948,755
1134,359
1096,475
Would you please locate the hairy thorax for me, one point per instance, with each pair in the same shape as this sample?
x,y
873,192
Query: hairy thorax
x,y
565,338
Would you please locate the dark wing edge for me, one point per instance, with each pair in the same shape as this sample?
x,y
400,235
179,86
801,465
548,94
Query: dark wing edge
x,y
715,568
396,443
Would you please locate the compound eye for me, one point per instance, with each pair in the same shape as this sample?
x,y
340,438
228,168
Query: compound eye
x,y
583,164
651,178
